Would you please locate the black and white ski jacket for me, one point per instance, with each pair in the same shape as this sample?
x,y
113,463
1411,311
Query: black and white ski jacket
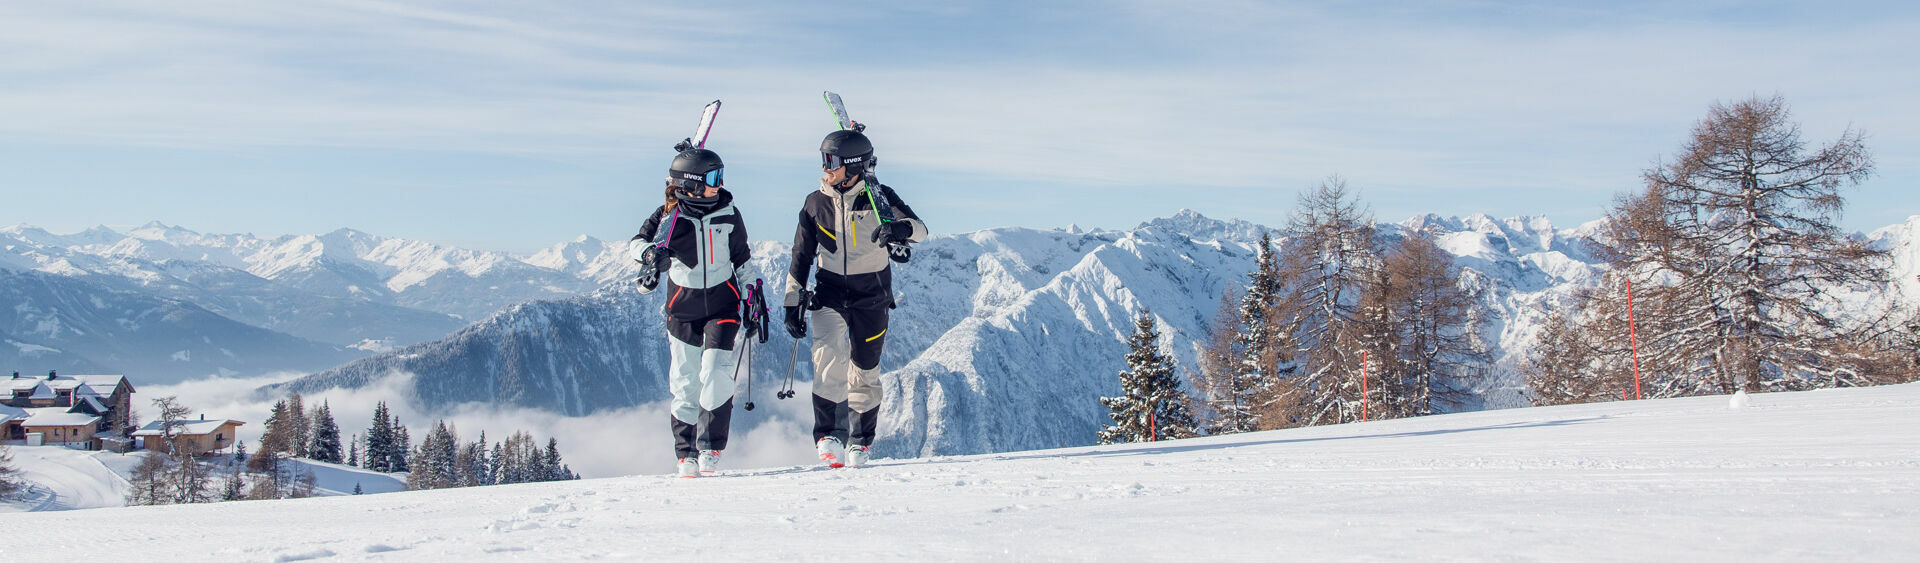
x,y
710,253
835,235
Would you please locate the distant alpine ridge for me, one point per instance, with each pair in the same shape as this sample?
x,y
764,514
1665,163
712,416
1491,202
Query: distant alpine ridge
x,y
1002,340
168,304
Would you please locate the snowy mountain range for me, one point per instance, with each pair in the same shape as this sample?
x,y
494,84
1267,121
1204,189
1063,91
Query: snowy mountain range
x,y
992,326
168,304
1007,324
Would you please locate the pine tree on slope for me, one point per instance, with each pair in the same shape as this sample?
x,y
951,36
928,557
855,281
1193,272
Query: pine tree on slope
x,y
326,436
1151,405
401,444
1258,365
380,440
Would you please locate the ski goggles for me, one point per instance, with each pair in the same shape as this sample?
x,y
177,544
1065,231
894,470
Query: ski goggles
x,y
715,177
834,162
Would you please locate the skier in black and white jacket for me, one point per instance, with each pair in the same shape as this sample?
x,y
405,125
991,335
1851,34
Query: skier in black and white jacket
x,y
842,236
699,242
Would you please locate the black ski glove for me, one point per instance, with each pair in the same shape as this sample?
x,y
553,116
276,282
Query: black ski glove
x,y
750,329
796,322
653,261
892,231
660,257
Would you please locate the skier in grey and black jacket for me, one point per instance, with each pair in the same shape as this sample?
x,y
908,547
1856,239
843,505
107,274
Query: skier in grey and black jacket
x,y
842,236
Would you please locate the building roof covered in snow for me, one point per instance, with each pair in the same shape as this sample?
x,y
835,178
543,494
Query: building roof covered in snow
x,y
9,414
58,416
89,404
187,427
93,384
41,391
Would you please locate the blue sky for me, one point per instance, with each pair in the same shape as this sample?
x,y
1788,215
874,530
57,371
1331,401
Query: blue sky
x,y
516,125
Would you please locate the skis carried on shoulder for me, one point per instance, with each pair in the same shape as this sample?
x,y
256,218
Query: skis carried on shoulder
x,y
699,138
897,251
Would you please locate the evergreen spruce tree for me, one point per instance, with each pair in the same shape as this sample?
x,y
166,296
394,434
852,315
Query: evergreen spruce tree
x,y
235,489
1258,364
551,467
1151,405
446,452
326,436
380,440
356,487
353,451
433,462
482,464
401,444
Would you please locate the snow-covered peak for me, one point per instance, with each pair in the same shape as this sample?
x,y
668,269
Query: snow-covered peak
x,y
573,256
358,242
155,230
1188,223
1902,242
98,235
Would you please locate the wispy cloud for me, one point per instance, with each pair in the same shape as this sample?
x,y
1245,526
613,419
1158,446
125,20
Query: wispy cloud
x,y
613,443
1508,106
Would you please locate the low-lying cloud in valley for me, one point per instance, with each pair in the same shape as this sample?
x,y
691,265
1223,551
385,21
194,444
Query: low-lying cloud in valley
x,y
607,444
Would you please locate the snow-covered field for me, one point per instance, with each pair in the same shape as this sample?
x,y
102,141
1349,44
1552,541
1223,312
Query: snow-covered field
x,y
58,478
1823,475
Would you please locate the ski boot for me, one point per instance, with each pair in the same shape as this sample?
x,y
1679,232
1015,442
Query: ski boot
x,y
709,462
832,452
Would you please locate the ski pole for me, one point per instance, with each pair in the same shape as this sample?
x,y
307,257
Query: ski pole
x,y
786,392
793,359
746,352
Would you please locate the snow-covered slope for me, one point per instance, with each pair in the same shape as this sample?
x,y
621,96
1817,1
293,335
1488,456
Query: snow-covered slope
x,y
1825,475
57,478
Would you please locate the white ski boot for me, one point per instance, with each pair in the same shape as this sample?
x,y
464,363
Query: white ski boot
x,y
832,452
857,455
709,462
689,468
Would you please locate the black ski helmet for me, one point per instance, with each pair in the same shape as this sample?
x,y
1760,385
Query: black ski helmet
x,y
693,170
846,148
